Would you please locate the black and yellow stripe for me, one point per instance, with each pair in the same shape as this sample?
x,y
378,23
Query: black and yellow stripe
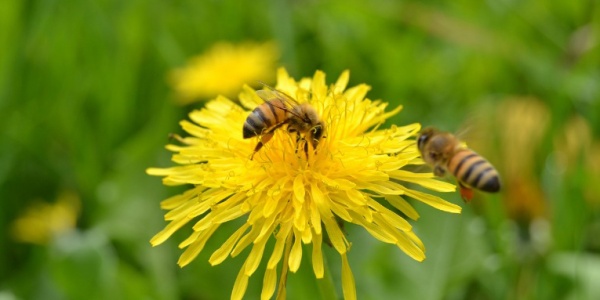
x,y
264,118
474,170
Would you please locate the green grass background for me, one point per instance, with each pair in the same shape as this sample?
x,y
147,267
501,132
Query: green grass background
x,y
85,107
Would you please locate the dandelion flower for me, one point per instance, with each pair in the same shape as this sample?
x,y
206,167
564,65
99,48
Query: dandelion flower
x,y
223,69
294,198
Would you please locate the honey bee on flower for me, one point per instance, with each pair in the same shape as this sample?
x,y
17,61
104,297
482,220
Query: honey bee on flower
x,y
280,110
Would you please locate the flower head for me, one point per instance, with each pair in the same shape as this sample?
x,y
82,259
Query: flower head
x,y
223,69
294,197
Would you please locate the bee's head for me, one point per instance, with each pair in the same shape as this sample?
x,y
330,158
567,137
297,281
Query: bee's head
x,y
424,136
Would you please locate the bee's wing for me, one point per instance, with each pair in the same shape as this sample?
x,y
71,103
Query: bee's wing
x,y
270,93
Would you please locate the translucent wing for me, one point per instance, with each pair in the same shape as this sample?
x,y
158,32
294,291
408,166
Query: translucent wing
x,y
270,93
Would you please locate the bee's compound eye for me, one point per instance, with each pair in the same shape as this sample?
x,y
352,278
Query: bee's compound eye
x,y
422,139
317,132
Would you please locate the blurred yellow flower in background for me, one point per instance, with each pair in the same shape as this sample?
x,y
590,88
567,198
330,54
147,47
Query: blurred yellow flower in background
x,y
223,69
575,147
295,198
41,221
518,124
524,122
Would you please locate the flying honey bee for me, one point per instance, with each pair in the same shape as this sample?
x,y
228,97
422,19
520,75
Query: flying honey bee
x,y
444,153
278,110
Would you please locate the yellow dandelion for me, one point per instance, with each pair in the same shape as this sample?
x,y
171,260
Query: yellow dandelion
x,y
223,69
295,198
43,221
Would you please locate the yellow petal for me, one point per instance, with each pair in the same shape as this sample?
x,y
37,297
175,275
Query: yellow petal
x,y
220,254
410,248
403,206
296,253
434,201
348,285
269,284
255,257
164,234
341,212
282,236
196,247
423,179
240,285
246,240
317,257
342,82
299,188
375,230
189,209
315,217
392,218
336,235
336,183
319,88
307,236
192,238
356,197
176,201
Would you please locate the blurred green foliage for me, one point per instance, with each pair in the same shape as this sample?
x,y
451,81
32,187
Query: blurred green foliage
x,y
85,108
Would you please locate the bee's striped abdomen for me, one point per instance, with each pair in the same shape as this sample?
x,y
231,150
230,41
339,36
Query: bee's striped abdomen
x,y
473,170
264,117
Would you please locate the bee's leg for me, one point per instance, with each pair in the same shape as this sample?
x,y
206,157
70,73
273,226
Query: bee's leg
x,y
298,137
263,140
306,149
266,136
465,193
439,171
314,143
